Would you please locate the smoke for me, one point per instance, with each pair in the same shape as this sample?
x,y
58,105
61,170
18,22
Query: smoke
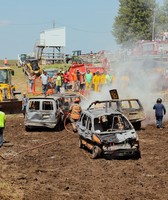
x,y
134,79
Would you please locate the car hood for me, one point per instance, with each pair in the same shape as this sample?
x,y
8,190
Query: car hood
x,y
117,137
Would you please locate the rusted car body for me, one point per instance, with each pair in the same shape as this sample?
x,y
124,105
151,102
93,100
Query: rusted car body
x,y
107,132
44,112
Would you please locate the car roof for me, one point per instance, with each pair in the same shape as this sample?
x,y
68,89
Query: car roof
x,y
44,98
67,95
99,112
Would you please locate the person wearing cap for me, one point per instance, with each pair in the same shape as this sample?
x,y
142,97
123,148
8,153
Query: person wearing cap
x,y
75,111
159,111
24,103
2,126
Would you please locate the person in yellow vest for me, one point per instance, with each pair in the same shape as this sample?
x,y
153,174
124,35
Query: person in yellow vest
x,y
2,126
96,81
113,78
102,79
124,81
75,111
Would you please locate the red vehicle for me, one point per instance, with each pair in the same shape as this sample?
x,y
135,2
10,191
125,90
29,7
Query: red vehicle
x,y
147,47
83,69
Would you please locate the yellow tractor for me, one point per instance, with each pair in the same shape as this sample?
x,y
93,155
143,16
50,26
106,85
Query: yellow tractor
x,y
8,101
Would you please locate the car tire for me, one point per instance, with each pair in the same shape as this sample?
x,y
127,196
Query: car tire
x,y
96,152
137,155
137,125
27,128
80,143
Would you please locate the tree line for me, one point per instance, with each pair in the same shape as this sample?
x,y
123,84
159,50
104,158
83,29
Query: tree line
x,y
140,20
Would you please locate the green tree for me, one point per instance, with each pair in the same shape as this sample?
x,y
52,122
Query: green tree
x,y
134,21
161,24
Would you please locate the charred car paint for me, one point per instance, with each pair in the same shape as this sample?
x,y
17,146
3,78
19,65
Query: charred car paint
x,y
107,132
131,108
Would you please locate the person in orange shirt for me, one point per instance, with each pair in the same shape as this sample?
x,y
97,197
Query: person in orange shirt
x,y
75,111
5,61
74,81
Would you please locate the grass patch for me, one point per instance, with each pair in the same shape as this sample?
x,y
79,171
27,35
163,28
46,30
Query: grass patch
x,y
8,192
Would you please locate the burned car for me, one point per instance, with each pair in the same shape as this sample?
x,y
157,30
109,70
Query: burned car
x,y
67,99
131,108
105,131
44,112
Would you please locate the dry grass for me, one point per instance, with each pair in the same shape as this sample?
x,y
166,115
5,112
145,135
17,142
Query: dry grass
x,y
7,191
20,80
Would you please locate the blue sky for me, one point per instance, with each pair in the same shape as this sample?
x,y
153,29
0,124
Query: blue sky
x,y
88,24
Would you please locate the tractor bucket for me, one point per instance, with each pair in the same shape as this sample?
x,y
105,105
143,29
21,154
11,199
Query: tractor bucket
x,y
11,107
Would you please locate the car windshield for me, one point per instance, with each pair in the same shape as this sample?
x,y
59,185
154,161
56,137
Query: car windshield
x,y
106,123
4,76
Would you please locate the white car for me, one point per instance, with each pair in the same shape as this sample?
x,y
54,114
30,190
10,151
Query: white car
x,y
107,132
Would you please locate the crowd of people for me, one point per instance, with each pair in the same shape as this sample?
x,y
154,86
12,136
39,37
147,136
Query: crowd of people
x,y
75,81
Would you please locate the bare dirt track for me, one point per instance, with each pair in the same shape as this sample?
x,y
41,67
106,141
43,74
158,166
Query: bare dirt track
x,y
61,171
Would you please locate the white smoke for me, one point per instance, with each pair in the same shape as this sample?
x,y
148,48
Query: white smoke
x,y
134,79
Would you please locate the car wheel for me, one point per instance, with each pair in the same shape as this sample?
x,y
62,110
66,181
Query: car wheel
x,y
80,143
27,128
137,155
96,152
137,125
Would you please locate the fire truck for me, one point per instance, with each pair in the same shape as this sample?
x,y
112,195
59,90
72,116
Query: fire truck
x,y
83,69
158,48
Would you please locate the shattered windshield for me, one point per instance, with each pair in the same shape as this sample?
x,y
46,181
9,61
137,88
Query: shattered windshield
x,y
107,123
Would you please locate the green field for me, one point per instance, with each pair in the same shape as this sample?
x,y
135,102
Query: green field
x,y
20,80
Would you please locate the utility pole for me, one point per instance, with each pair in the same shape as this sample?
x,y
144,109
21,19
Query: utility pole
x,y
53,47
53,23
153,25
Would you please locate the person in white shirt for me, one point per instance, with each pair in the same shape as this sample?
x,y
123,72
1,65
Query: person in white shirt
x,y
44,80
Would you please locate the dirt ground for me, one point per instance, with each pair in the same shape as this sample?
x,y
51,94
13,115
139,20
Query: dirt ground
x,y
59,170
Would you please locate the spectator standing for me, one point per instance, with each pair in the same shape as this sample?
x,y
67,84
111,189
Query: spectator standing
x,y
89,77
31,79
108,78
58,83
96,81
24,103
102,80
74,81
78,75
2,126
44,80
5,61
159,111
54,81
65,79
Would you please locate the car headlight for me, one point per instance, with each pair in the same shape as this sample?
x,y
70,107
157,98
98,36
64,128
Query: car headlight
x,y
96,139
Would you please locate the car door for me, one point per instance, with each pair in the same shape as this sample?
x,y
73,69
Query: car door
x,y
81,125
